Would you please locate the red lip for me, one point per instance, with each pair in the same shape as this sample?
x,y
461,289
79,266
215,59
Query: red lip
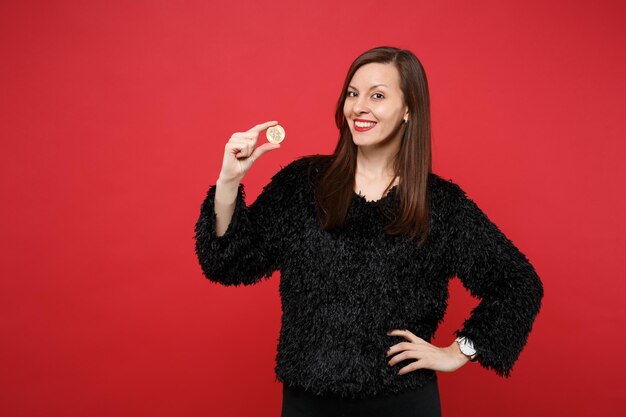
x,y
363,129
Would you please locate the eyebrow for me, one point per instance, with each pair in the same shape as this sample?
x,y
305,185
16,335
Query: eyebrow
x,y
372,87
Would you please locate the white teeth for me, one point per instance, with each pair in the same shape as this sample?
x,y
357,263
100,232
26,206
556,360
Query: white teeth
x,y
364,124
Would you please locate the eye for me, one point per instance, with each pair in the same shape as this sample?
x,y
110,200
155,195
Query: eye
x,y
375,94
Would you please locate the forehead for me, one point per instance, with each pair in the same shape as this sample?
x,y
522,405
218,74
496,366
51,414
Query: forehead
x,y
376,73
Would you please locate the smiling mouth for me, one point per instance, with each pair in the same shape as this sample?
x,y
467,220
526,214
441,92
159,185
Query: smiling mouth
x,y
363,126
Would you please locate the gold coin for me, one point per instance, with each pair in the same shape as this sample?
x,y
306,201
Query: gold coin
x,y
275,134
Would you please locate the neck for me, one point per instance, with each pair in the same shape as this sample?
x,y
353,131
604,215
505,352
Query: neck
x,y
374,167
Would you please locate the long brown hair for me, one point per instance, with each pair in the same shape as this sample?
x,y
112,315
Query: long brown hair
x,y
413,162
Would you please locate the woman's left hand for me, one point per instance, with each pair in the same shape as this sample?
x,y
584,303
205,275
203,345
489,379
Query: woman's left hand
x,y
446,359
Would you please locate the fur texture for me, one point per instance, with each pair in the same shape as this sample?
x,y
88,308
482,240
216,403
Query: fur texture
x,y
341,292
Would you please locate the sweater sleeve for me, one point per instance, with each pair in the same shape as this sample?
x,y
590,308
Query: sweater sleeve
x,y
251,247
494,270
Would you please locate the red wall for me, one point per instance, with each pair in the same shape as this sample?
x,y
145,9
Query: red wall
x,y
114,118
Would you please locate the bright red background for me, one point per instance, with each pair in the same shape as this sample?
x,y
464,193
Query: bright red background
x,y
114,118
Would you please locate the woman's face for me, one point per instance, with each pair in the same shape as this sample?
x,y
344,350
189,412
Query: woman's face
x,y
380,106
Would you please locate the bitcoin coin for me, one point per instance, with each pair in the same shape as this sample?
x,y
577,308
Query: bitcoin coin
x,y
275,134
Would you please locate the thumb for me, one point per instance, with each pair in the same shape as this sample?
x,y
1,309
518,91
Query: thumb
x,y
266,147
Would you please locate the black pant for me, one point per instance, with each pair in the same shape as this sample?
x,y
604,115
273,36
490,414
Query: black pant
x,y
422,403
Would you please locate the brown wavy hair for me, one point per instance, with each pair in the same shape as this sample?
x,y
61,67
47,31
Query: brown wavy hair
x,y
413,163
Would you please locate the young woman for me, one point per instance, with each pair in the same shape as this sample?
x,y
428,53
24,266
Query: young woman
x,y
366,240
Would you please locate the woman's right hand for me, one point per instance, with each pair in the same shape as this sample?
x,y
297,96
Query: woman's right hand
x,y
240,152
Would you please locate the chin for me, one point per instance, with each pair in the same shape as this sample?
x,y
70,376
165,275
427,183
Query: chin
x,y
366,143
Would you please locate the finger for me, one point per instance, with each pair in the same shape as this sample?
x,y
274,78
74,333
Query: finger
x,y
243,142
398,347
397,332
262,126
239,143
267,146
398,358
410,367
405,333
407,354
234,147
240,148
246,135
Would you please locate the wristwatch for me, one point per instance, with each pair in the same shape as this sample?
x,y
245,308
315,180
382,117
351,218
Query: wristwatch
x,y
467,347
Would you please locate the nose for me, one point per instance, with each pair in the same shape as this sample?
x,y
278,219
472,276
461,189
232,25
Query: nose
x,y
360,105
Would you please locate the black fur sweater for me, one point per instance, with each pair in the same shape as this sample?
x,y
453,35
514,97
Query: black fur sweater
x,y
341,293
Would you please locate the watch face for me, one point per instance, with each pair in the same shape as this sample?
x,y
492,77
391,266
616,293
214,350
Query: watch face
x,y
466,347
467,350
